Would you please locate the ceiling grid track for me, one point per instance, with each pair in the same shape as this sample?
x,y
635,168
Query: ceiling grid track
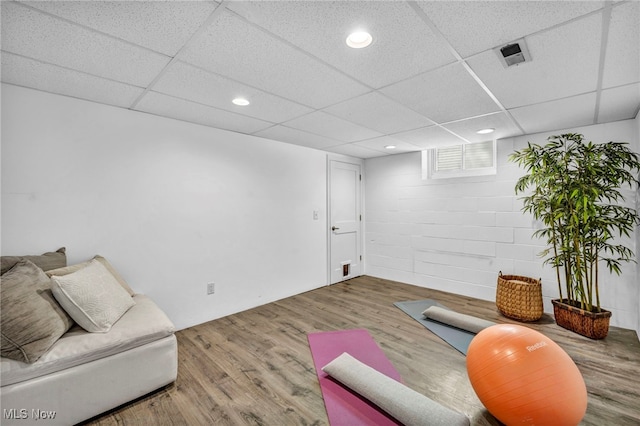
x,y
606,22
431,78
212,17
463,62
298,49
91,29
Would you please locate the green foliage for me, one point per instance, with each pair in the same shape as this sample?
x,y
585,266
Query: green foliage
x,y
574,188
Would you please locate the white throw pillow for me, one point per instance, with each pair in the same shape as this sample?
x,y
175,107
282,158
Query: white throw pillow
x,y
92,297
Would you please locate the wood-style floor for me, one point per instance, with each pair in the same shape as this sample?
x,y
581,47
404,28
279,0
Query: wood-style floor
x,y
255,368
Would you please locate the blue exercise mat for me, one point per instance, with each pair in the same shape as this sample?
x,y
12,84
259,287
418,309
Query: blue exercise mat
x,y
459,339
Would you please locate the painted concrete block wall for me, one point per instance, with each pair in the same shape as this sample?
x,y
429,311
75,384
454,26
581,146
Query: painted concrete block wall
x,y
456,234
172,205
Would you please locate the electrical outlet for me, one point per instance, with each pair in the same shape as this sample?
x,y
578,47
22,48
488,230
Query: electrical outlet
x,y
211,288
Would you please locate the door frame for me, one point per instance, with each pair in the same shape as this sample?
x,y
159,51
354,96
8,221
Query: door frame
x,y
349,160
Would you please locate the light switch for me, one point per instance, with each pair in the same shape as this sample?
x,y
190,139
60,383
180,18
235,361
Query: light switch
x,y
315,214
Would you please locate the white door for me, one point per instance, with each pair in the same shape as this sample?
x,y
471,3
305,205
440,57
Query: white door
x,y
345,221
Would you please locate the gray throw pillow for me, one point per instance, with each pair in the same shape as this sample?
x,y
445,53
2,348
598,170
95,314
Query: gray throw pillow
x,y
31,320
46,261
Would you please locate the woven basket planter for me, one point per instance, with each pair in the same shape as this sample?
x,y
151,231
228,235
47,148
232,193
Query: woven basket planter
x,y
594,325
519,297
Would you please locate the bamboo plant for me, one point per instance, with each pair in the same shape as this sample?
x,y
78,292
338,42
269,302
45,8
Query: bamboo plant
x,y
573,188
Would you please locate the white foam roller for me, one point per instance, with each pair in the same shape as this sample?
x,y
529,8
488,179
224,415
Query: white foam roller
x,y
458,320
403,403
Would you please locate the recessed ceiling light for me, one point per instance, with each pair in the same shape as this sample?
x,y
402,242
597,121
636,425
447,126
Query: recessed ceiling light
x,y
485,131
240,102
359,39
390,147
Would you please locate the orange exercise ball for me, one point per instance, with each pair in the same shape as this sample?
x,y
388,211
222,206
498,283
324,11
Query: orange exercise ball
x,y
525,378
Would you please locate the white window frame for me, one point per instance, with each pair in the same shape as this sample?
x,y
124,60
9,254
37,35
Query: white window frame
x,y
429,158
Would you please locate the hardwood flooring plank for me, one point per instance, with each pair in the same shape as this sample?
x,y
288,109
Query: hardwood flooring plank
x,y
255,367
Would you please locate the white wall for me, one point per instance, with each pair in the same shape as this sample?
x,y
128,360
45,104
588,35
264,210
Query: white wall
x,y
172,205
456,234
638,228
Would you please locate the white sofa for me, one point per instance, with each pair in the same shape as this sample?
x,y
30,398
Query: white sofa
x,y
76,340
85,374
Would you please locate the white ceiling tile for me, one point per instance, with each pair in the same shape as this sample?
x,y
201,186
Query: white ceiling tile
x,y
557,115
474,26
380,113
50,78
564,62
446,94
622,59
380,144
429,137
401,40
503,125
163,26
332,127
191,83
235,48
297,137
354,150
39,36
167,106
620,103
290,59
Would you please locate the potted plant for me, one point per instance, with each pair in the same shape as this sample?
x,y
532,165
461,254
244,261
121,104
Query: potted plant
x,y
573,188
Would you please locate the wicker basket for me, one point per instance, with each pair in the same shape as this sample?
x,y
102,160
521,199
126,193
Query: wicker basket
x,y
519,297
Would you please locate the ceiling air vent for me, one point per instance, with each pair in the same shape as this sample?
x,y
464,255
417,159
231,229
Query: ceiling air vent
x,y
513,53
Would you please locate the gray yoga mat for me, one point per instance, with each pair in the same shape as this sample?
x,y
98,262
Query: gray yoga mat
x,y
456,337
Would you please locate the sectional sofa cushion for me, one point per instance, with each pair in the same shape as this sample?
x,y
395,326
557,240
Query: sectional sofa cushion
x,y
46,261
73,268
31,319
144,323
92,297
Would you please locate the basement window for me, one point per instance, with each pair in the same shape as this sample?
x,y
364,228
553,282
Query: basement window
x,y
472,159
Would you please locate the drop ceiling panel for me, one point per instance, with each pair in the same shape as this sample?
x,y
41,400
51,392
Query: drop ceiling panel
x,y
354,150
167,106
50,78
619,103
503,125
446,94
268,63
191,83
557,115
380,113
323,124
39,36
474,26
307,88
429,137
297,137
379,144
401,41
158,25
564,62
622,61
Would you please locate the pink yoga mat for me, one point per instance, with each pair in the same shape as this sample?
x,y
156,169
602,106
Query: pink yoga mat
x,y
344,407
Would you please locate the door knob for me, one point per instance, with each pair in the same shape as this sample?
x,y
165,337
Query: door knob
x,y
333,228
